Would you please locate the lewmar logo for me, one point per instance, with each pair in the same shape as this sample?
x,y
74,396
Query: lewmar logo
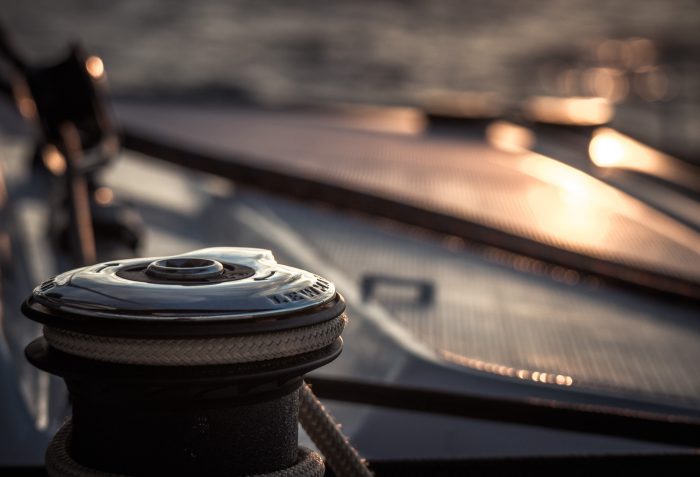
x,y
321,286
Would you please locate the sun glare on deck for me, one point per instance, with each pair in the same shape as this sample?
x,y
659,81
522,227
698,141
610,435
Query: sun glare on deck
x,y
578,111
509,137
606,150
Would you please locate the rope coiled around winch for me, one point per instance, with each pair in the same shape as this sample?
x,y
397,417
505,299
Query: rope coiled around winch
x,y
319,425
196,351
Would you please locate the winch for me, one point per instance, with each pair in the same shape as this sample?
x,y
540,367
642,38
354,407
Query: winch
x,y
190,365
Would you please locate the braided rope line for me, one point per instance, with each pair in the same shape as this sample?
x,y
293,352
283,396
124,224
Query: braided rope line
x,y
321,427
59,463
341,456
193,351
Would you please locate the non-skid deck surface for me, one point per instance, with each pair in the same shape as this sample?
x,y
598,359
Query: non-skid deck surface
x,y
492,318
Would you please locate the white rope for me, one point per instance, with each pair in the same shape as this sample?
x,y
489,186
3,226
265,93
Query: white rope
x,y
325,432
59,462
197,351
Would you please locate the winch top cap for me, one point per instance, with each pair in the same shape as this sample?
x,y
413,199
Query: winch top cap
x,y
223,284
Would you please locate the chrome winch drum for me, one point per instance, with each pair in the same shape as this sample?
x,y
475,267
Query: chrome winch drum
x,y
186,365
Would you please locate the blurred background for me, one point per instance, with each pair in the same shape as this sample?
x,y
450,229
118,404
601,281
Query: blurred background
x,y
643,57
506,193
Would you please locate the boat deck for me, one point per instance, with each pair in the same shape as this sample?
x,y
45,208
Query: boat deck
x,y
491,311
495,322
527,203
